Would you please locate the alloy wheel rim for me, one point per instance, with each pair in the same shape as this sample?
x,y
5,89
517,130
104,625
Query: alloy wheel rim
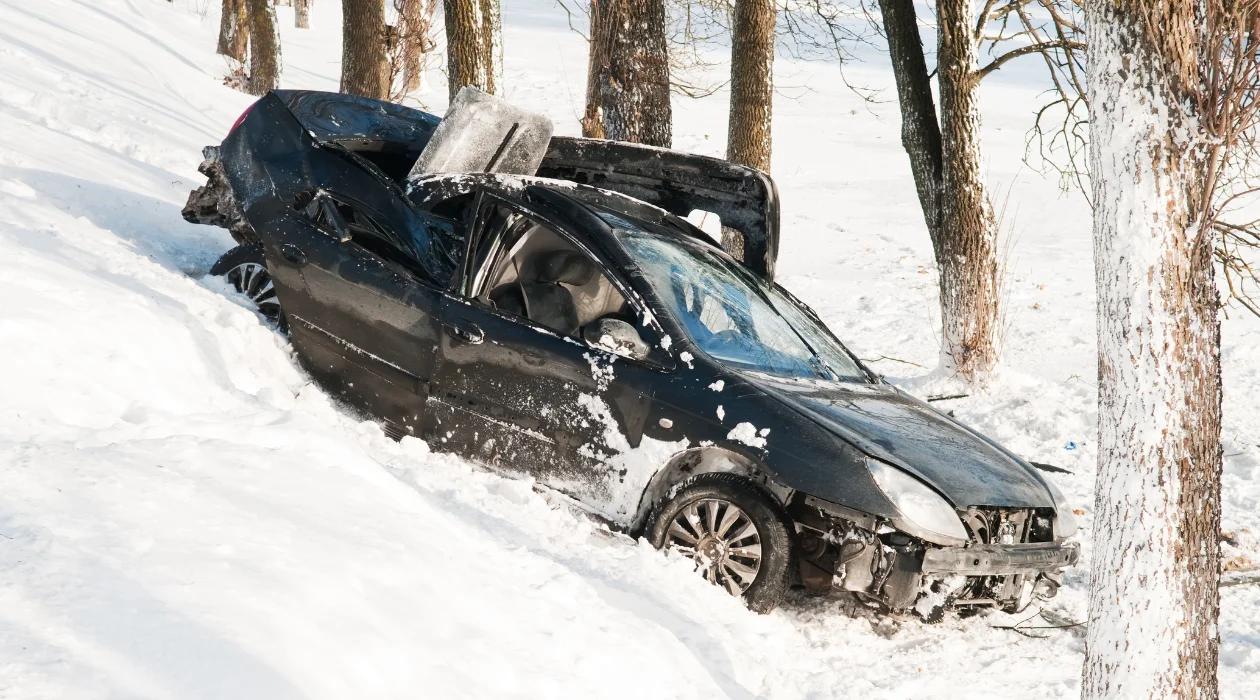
x,y
723,541
254,281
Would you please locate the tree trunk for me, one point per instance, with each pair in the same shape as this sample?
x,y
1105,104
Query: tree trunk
x,y
1153,600
264,47
967,250
632,71
474,45
748,140
920,132
302,14
413,27
364,63
596,62
752,83
492,45
234,30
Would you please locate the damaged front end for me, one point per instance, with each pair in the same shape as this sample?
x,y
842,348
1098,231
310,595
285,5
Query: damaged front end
x,y
1010,559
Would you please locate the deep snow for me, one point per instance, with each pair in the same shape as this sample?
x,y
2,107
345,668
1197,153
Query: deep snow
x,y
183,515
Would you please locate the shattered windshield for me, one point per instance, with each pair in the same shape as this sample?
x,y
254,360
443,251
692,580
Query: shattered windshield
x,y
733,316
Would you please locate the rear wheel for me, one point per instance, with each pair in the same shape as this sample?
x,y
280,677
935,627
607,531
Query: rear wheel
x,y
245,268
733,532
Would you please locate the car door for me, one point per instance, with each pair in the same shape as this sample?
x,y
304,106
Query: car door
x,y
513,392
371,331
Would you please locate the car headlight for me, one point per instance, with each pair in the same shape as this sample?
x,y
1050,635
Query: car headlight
x,y
924,513
1065,524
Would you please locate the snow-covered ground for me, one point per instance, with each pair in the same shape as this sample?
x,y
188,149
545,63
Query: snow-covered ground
x,y
183,515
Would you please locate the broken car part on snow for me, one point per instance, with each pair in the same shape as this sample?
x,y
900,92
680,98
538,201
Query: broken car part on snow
x,y
568,325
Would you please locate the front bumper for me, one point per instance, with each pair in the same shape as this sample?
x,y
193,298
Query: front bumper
x,y
1001,559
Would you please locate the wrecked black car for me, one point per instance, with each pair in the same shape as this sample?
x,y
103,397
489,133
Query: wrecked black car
x,y
568,325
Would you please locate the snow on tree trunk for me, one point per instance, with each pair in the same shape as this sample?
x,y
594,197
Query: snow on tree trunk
x,y
474,45
234,30
630,66
1153,601
264,47
364,62
302,14
967,250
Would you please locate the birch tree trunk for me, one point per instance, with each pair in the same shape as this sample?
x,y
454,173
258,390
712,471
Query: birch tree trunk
x,y
264,47
364,63
1154,600
631,73
302,14
474,45
234,31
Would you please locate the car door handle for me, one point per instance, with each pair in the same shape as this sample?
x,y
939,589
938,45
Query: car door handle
x,y
467,332
293,254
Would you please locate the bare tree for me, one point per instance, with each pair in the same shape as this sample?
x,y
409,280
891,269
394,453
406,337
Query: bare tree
x,y
628,81
264,47
234,31
945,152
302,14
1174,88
364,66
474,45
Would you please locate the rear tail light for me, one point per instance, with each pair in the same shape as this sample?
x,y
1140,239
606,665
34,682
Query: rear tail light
x,y
241,118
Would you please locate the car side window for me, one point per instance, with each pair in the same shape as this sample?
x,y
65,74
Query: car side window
x,y
365,231
527,269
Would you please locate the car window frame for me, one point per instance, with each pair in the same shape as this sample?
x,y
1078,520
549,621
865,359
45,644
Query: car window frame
x,y
486,197
381,232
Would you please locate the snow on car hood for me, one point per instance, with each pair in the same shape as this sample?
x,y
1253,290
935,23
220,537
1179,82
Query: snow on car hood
x,y
968,468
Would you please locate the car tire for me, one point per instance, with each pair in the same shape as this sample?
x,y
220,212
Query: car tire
x,y
724,550
245,268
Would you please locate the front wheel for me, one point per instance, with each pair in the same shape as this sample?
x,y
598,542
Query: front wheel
x,y
733,532
245,268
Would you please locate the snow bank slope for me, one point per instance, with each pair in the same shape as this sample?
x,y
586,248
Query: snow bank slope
x,y
182,515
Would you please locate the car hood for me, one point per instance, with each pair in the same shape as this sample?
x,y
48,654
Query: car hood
x,y
968,468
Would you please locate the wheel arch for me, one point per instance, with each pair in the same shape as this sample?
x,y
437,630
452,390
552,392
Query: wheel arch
x,y
706,459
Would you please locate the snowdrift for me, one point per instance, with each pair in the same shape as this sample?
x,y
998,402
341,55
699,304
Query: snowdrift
x,y
183,515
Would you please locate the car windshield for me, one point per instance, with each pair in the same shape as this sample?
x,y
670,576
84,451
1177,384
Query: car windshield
x,y
733,316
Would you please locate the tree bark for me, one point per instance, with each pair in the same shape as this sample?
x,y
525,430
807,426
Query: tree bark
x,y
474,45
234,31
631,71
967,251
920,131
1154,599
413,27
748,138
302,14
264,47
364,63
597,59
